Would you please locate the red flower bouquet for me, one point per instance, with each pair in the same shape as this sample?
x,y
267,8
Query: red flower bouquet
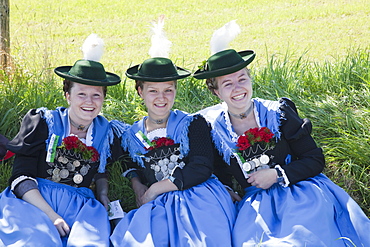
x,y
160,142
256,135
250,144
78,147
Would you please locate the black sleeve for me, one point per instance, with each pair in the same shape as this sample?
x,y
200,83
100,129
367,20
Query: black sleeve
x,y
222,170
117,152
309,159
29,145
200,158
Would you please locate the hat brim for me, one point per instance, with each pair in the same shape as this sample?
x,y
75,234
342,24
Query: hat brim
x,y
247,55
132,73
111,78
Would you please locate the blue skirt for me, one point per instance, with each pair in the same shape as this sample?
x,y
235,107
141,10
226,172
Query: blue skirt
x,y
23,224
199,216
314,212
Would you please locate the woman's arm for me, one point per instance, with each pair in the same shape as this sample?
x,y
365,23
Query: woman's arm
x,y
156,189
102,190
200,158
309,159
29,146
35,198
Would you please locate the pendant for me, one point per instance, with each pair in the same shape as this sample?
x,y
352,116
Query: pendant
x,y
76,163
246,166
56,172
70,167
77,178
64,173
257,162
84,170
55,178
264,159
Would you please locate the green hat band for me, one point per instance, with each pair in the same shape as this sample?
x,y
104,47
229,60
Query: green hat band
x,y
223,59
158,68
87,69
89,73
224,62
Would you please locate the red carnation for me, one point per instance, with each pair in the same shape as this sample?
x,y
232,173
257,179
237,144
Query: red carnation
x,y
160,142
253,136
243,142
78,147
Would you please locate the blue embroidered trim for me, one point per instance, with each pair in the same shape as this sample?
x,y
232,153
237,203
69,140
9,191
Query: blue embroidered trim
x,y
268,114
177,129
102,135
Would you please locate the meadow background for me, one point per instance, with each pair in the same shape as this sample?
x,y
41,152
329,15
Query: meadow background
x,y
315,52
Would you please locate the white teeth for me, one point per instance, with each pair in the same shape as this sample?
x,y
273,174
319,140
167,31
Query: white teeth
x,y
239,97
160,105
88,108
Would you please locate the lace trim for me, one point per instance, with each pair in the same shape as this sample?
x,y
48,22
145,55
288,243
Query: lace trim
x,y
161,132
21,179
234,136
286,181
124,174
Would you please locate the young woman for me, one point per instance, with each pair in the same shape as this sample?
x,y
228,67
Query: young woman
x,y
58,153
180,202
269,151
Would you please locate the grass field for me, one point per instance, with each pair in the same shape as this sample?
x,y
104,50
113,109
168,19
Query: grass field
x,y
49,33
315,52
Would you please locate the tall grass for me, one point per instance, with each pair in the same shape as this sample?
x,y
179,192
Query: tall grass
x,y
333,95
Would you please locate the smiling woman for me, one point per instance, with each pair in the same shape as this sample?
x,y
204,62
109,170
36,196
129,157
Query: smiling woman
x,y
85,104
171,169
270,152
58,153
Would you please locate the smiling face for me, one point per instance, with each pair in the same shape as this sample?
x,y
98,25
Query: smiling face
x,y
85,102
159,97
235,89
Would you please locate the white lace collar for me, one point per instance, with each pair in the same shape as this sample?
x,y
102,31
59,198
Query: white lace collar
x,y
234,136
161,132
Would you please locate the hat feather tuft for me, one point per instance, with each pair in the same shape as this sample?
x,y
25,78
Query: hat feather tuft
x,y
223,36
160,44
93,48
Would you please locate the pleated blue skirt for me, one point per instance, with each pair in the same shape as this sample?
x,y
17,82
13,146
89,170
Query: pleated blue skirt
x,y
314,212
22,224
200,216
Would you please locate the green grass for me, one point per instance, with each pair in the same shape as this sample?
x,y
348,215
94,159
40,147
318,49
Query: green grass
x,y
314,52
49,33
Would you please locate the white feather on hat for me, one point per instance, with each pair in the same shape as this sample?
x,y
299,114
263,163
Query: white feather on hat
x,y
93,48
160,44
223,36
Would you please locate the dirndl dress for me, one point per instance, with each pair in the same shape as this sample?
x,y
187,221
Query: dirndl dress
x,y
314,212
202,215
23,224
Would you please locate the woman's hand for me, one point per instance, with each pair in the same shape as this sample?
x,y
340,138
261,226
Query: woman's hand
x,y
60,224
139,190
148,196
234,196
35,198
263,179
156,189
103,198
